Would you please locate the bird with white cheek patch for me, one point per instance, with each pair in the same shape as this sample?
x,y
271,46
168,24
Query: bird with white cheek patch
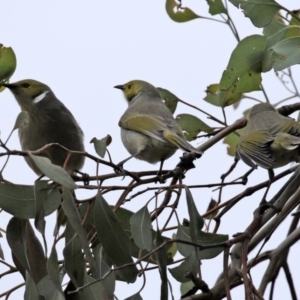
x,y
49,122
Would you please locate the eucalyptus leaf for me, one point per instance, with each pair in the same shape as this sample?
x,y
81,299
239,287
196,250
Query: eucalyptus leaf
x,y
74,219
13,196
169,98
286,53
54,172
22,120
8,62
216,7
191,126
113,238
243,73
231,140
178,13
101,145
203,238
136,296
141,229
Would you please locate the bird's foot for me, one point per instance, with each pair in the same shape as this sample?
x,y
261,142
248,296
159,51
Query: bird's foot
x,y
160,177
119,170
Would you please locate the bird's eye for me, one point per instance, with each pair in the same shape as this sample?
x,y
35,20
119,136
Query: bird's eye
x,y
129,86
26,85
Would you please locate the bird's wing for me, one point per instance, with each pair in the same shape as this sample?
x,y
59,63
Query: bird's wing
x,y
255,147
179,141
146,124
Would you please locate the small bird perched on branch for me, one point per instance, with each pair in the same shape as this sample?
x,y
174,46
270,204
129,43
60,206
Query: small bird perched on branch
x,y
49,122
148,129
269,139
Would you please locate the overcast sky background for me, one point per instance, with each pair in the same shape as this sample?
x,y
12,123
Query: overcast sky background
x,y
81,49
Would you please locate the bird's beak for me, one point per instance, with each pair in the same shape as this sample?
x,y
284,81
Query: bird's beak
x,y
120,87
9,85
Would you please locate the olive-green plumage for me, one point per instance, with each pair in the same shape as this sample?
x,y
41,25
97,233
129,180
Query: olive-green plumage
x,y
269,139
148,129
49,122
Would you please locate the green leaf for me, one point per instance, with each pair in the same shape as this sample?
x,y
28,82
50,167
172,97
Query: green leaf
x,y
189,266
285,53
276,25
203,238
191,126
162,266
74,261
54,172
260,12
231,140
169,98
178,13
102,268
101,145
212,95
124,217
8,63
53,270
141,229
134,297
186,287
26,247
47,289
196,221
31,291
243,73
22,120
113,238
40,194
12,197
94,291
74,219
216,7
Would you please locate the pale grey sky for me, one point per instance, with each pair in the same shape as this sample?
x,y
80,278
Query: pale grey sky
x,y
81,49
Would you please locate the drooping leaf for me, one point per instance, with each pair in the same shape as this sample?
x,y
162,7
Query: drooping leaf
x,y
231,140
101,145
13,196
53,270
191,126
203,238
134,297
212,204
169,98
141,229
73,257
101,269
216,7
260,12
162,266
113,238
125,216
74,219
26,247
47,290
94,291
40,194
31,291
189,266
196,221
178,13
185,287
286,53
8,62
212,95
54,172
22,120
243,73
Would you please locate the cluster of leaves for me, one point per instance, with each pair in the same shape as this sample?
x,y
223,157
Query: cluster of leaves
x,y
103,244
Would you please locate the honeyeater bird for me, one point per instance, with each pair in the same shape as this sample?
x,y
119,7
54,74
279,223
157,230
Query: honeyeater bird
x,y
148,129
49,122
269,140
